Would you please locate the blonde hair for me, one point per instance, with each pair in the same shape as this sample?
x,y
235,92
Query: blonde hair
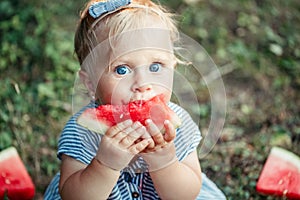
x,y
91,32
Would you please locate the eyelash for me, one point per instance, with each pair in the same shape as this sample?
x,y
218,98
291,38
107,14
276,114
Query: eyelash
x,y
128,70
156,63
122,67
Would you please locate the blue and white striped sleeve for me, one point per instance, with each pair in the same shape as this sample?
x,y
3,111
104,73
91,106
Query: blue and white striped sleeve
x,y
78,142
188,135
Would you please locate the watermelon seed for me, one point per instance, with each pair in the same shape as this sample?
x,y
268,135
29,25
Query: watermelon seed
x,y
7,181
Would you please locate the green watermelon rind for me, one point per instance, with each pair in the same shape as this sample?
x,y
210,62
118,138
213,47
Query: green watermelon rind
x,y
286,155
7,153
92,125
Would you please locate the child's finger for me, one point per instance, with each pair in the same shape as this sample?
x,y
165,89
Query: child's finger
x,y
147,136
132,137
170,133
139,147
123,133
154,132
112,131
139,130
151,143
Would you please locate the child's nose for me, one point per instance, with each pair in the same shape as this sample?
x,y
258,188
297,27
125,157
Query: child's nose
x,y
141,81
142,88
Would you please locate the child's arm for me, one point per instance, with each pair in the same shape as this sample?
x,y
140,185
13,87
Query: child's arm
x,y
180,180
172,179
96,180
79,181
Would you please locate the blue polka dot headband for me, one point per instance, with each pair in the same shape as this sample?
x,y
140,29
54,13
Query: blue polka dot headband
x,y
97,9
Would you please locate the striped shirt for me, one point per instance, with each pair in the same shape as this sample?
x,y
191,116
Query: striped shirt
x,y
82,145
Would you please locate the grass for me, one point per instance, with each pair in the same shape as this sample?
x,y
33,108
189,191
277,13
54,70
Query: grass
x,y
258,39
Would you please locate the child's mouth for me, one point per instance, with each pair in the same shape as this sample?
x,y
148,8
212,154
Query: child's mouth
x,y
139,99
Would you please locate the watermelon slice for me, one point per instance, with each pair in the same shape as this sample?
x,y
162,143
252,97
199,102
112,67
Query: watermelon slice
x,y
104,116
15,182
280,175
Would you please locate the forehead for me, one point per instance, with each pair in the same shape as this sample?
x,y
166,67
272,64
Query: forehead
x,y
146,38
131,41
144,56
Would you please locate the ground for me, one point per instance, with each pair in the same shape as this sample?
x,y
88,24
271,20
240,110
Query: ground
x,y
254,124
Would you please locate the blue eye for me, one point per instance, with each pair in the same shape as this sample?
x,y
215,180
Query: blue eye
x,y
122,70
154,67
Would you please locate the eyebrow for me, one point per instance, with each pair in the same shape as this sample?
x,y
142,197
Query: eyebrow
x,y
160,56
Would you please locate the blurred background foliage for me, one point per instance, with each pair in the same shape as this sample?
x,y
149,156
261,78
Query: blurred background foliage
x,y
255,43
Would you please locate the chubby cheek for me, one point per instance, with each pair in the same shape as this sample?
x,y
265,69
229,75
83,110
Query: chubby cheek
x,y
111,91
103,91
167,95
166,91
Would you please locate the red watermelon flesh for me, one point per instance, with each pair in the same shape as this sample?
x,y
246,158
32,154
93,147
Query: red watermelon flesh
x,y
104,116
15,182
280,175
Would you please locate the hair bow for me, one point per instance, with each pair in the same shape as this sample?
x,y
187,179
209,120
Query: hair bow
x,y
99,8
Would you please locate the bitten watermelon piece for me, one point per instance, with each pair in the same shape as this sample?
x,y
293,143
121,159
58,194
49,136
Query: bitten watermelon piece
x,y
15,182
280,175
104,116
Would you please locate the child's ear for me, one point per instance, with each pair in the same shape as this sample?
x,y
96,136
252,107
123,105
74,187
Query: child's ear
x,y
86,80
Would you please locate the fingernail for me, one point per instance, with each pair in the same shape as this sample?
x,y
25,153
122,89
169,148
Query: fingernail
x,y
166,122
148,121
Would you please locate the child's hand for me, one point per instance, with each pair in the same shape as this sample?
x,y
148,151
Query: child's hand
x,y
164,152
121,143
158,137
